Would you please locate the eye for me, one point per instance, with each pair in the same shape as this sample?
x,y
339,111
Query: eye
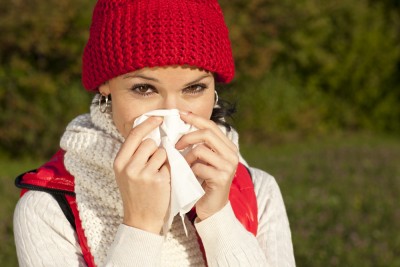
x,y
195,88
143,89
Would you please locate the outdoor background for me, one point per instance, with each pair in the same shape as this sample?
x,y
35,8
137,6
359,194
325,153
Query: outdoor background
x,y
318,98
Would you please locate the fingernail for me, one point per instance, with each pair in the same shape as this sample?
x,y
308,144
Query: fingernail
x,y
184,112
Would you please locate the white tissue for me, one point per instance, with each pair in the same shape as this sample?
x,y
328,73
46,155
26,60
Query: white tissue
x,y
185,188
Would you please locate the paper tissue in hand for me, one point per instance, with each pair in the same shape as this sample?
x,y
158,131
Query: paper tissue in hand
x,y
185,188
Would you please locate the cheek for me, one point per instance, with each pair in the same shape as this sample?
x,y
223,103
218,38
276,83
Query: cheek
x,y
121,121
203,109
124,116
127,110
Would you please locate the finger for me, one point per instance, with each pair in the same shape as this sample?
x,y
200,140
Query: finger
x,y
211,176
157,160
143,153
202,123
134,139
205,136
204,154
204,171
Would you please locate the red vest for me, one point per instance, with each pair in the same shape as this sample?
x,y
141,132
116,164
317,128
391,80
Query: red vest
x,y
53,178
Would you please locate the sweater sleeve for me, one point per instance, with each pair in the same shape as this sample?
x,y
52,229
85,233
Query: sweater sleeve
x,y
228,243
135,247
273,234
43,236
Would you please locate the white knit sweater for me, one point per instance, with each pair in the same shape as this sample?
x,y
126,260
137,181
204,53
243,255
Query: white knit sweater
x,y
44,236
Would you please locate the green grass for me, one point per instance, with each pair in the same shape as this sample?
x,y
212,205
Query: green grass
x,y
342,198
341,194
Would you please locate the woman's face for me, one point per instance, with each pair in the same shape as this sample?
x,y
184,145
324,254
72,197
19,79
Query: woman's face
x,y
135,93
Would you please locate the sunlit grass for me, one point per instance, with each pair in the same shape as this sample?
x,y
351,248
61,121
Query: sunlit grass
x,y
342,198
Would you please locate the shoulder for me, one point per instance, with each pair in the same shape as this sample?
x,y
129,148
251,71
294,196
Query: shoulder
x,y
267,191
274,233
38,216
42,233
264,183
38,207
37,212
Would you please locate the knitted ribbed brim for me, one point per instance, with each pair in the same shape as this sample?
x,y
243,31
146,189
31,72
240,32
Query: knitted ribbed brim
x,y
128,35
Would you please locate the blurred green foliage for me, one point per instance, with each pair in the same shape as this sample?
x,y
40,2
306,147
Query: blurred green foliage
x,y
304,68
40,89
312,67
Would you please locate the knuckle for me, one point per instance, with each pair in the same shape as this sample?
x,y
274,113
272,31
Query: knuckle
x,y
146,176
117,165
232,159
207,131
236,150
130,172
198,150
195,150
133,133
195,167
150,143
229,167
214,125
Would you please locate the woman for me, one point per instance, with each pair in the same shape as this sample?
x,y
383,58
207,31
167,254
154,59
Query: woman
x,y
115,184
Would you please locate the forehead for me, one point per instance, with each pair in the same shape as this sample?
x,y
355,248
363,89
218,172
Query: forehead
x,y
169,72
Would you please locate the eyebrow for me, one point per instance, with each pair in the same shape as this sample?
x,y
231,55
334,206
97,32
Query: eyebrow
x,y
198,80
141,76
156,80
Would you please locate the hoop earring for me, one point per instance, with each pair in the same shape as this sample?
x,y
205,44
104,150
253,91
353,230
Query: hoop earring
x,y
104,98
216,97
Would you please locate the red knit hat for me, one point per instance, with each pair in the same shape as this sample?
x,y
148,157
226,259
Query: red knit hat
x,y
127,35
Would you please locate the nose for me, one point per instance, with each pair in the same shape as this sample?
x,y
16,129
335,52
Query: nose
x,y
170,102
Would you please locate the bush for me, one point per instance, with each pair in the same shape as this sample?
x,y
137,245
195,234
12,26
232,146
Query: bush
x,y
40,72
339,59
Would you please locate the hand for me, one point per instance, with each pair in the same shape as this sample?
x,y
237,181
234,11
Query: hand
x,y
214,159
143,178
